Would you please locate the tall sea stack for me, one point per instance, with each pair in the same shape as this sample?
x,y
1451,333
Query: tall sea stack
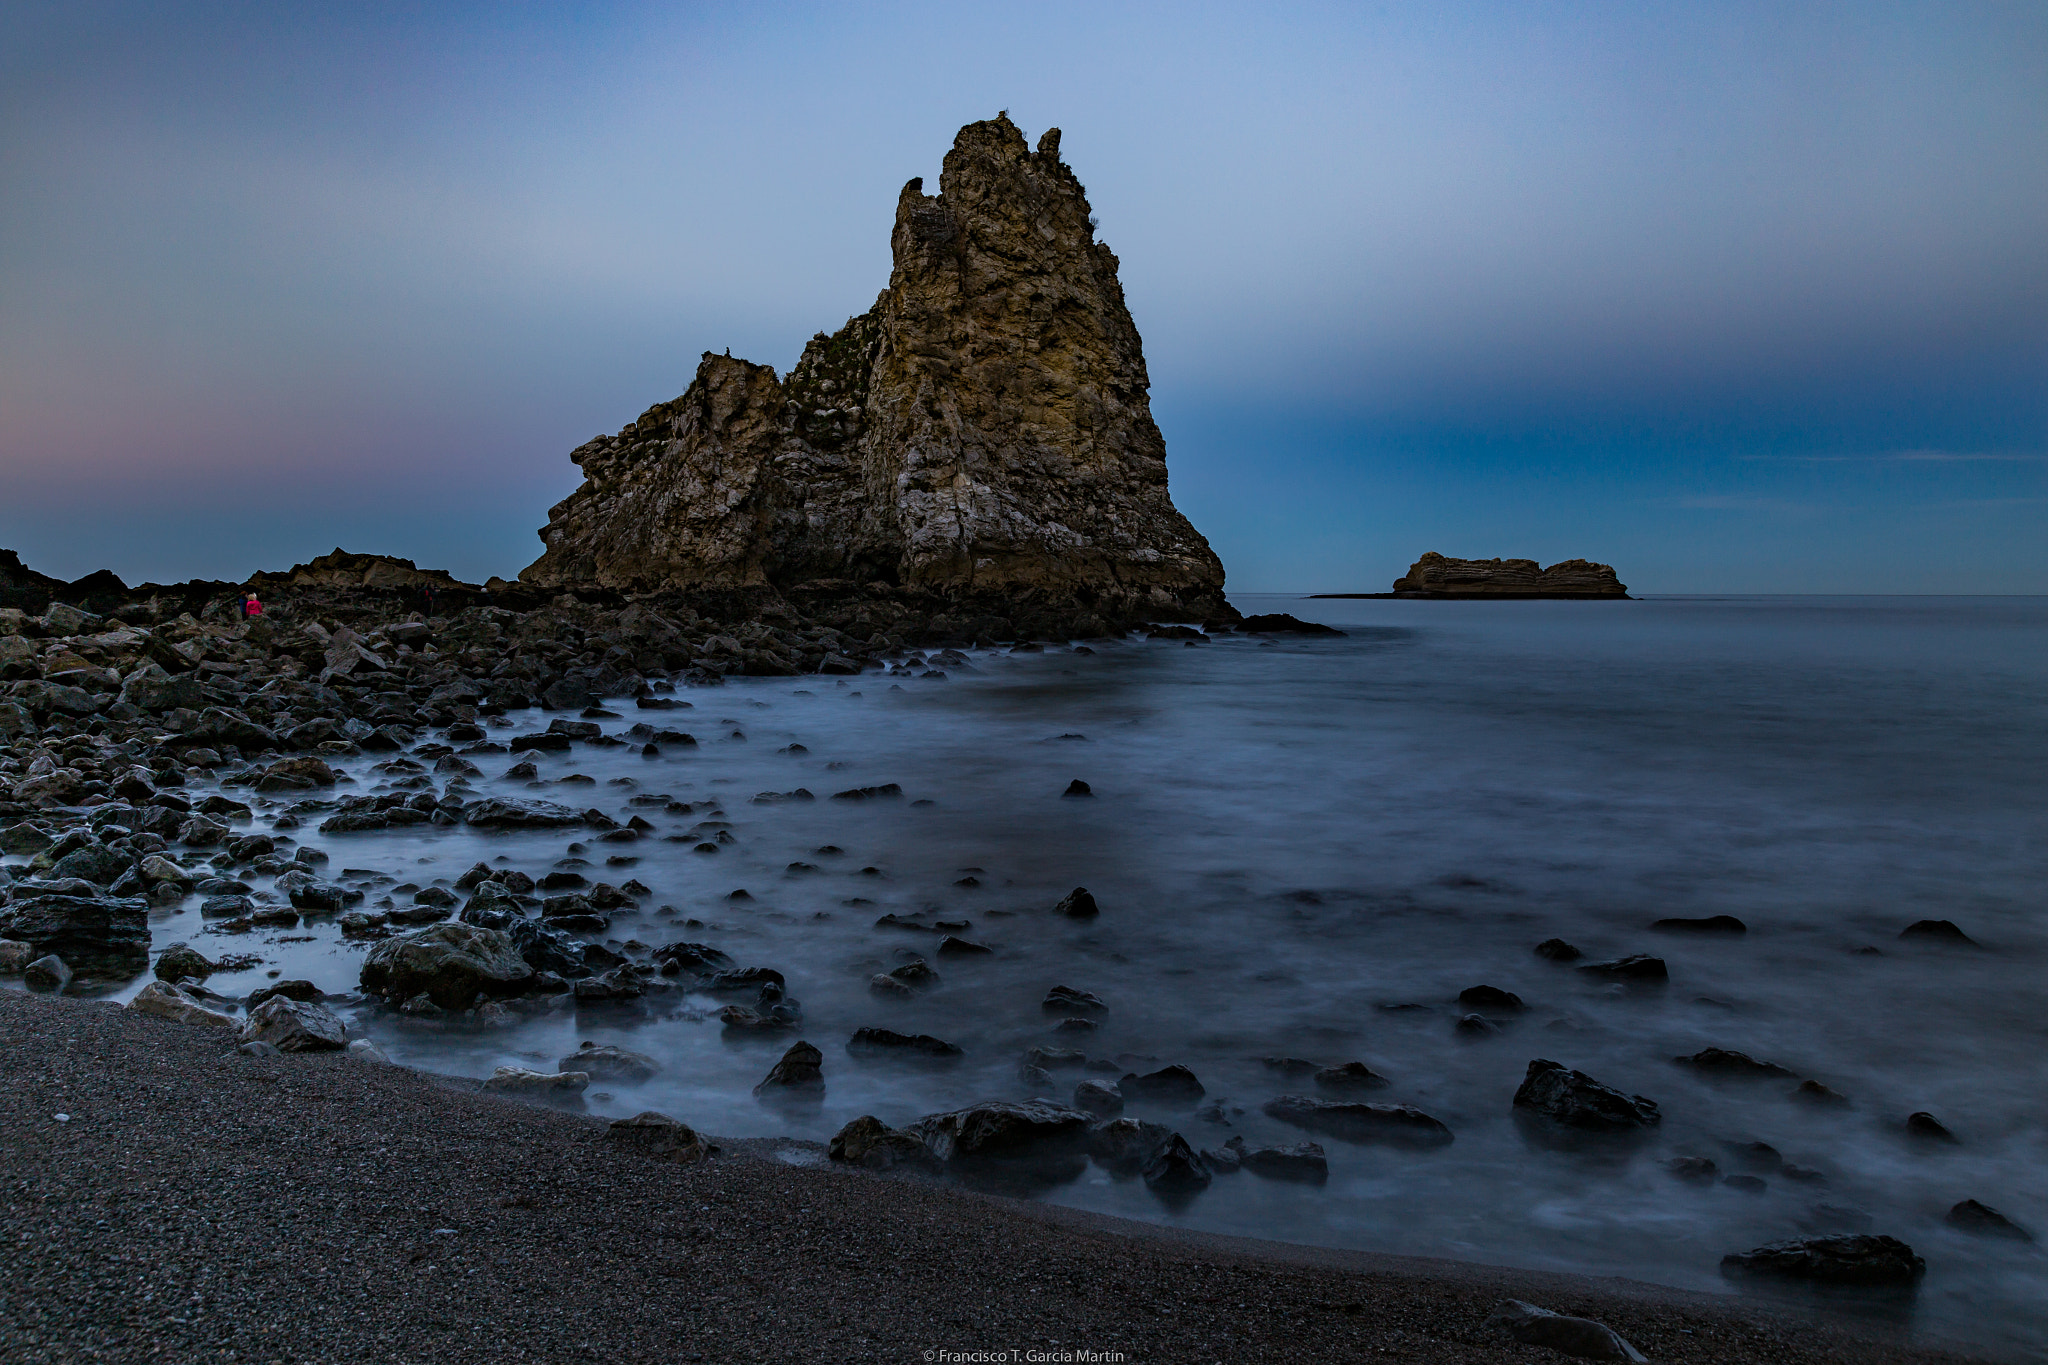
x,y
981,434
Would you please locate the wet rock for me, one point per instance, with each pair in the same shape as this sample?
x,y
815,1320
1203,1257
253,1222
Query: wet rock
x,y
1175,1168
1302,1163
180,961
882,1042
1721,1061
1746,1184
1937,931
1693,1170
1400,1125
165,1001
1866,1260
323,898
658,1138
1928,1128
615,1065
1475,1026
102,936
954,946
1067,1000
453,964
797,1073
887,790
1123,1146
700,958
295,1026
1098,1097
14,956
1575,1100
1984,1221
1004,1130
499,813
290,990
1491,998
47,973
870,1143
1078,788
1171,1085
1582,1338
1350,1078
890,987
556,1086
1634,967
1813,1092
1078,904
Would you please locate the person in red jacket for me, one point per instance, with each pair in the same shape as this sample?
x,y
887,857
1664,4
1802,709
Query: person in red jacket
x,y
251,607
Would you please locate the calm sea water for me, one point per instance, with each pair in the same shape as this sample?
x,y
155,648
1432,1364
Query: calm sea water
x,y
1288,837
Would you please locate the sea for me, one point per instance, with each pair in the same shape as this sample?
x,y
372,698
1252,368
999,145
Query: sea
x,y
1308,846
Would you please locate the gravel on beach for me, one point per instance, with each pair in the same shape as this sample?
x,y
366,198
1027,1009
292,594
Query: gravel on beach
x,y
194,1204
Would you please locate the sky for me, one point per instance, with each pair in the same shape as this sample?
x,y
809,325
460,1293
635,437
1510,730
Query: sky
x,y
1737,298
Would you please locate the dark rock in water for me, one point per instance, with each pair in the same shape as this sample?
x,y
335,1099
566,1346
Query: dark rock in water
x,y
546,948
1055,1058
889,987
1435,575
1036,1080
1350,1077
1878,1262
1491,998
1280,623
1289,1066
1813,1092
1168,1085
1573,1099
290,990
1712,924
1077,904
1175,1168
1067,1000
1928,1128
740,1019
1693,1170
1123,1146
1937,931
657,1137
47,973
799,1072
870,1143
1985,1221
1400,1125
886,790
180,961
1721,1061
615,1065
1078,788
692,957
882,1042
101,936
452,964
999,1130
1099,1097
498,813
954,946
1304,1163
1580,1337
829,473
1748,1184
1757,1156
1634,967
917,974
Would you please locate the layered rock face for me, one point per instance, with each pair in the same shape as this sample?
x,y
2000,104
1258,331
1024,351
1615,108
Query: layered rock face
x,y
983,431
1433,575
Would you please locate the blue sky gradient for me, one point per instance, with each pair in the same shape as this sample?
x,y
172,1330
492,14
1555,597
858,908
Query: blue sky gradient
x,y
1735,297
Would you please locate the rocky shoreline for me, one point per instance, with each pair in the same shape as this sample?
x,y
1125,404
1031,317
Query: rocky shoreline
x,y
171,1195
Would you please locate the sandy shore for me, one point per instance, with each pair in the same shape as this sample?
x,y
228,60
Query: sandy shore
x,y
198,1205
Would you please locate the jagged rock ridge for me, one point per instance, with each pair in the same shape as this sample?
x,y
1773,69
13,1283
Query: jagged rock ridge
x,y
983,431
1435,575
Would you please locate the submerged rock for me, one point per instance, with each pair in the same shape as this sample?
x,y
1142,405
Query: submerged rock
x,y
1856,1259
1985,1221
1573,1099
452,964
1721,1061
1401,1125
799,1072
612,1064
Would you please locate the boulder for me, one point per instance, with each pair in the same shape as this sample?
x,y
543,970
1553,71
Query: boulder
x,y
1491,998
1004,1130
1857,1259
1078,904
541,1085
1099,1097
47,973
797,1073
1066,1000
657,1137
1349,1078
181,960
166,1001
452,964
1400,1125
1937,931
870,1143
1582,1338
1573,1099
882,1042
615,1065
1123,1146
1721,1061
1304,1162
500,813
1985,1221
1710,924
1634,967
101,936
1175,1168
1173,1085
295,1026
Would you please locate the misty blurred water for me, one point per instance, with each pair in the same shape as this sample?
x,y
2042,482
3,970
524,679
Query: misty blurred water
x,y
1286,837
